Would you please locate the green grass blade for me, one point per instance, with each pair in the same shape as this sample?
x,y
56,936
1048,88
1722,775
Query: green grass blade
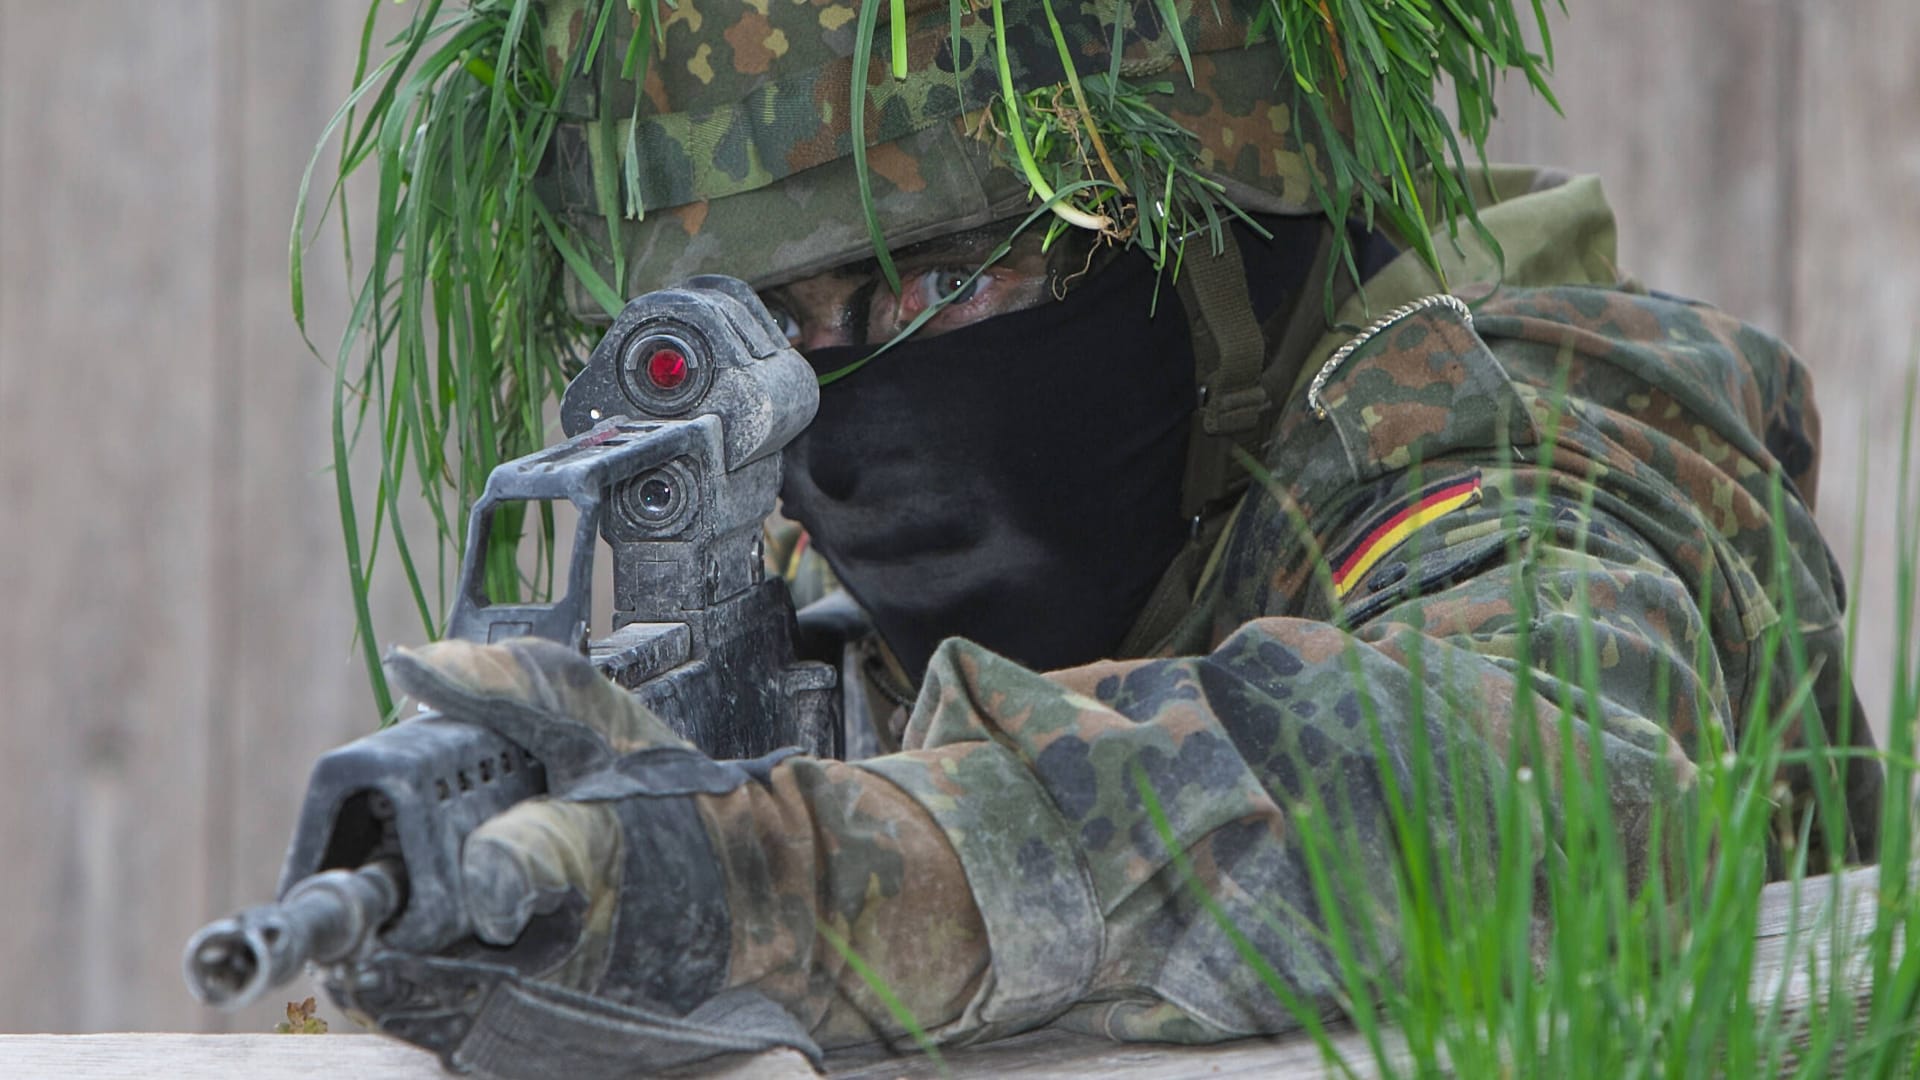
x,y
897,22
596,286
1170,19
862,62
895,1007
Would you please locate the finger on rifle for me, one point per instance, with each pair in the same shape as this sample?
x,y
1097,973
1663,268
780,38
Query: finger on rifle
x,y
528,860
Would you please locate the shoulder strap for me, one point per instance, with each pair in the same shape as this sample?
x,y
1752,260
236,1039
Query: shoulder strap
x,y
1228,352
1241,380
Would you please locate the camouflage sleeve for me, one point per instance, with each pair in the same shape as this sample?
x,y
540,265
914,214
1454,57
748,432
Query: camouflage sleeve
x,y
827,853
1235,742
1004,872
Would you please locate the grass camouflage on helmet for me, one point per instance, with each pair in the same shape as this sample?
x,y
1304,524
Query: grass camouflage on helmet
x,y
742,121
540,160
744,159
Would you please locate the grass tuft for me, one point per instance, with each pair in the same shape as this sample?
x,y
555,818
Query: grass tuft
x,y
458,334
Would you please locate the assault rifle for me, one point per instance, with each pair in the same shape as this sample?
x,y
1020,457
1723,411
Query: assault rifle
x,y
676,428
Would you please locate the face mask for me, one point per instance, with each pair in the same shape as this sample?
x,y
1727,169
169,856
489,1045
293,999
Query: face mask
x,y
1015,482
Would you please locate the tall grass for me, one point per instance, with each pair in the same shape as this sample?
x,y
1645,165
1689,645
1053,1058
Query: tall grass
x,y
1662,980
458,335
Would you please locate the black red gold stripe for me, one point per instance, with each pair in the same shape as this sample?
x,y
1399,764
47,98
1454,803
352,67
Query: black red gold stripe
x,y
1352,565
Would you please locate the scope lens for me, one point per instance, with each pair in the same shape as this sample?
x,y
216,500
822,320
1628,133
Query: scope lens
x,y
667,368
656,496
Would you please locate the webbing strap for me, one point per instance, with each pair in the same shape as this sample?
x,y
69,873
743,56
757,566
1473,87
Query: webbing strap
x,y
1172,596
1212,472
1229,353
536,1030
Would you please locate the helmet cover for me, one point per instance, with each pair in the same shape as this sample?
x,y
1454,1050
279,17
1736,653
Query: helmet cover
x,y
739,156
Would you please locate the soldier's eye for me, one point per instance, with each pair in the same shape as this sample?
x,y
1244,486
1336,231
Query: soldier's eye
x,y
948,283
953,286
789,325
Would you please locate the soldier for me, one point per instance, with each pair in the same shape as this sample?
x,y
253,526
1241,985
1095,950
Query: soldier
x,y
1082,595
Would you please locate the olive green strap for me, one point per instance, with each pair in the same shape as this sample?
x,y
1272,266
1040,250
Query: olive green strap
x,y
1212,473
1229,353
1172,596
1303,326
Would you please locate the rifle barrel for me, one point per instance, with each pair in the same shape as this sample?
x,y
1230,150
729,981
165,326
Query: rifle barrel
x,y
327,917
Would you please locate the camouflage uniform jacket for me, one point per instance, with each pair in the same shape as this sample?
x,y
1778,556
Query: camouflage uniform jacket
x,y
1613,460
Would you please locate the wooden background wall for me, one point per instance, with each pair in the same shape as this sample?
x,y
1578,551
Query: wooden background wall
x,y
175,645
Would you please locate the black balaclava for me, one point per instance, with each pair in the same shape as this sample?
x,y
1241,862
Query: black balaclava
x,y
1018,481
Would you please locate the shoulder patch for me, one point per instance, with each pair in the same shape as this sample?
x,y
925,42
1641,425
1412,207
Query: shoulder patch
x,y
1390,526
1429,573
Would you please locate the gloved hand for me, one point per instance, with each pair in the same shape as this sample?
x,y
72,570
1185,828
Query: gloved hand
x,y
607,889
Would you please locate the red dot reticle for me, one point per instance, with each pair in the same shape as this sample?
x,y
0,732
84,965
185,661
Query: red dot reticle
x,y
667,368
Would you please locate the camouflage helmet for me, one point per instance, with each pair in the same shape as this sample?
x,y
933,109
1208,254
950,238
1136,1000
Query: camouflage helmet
x,y
735,154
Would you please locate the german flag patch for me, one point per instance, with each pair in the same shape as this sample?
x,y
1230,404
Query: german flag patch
x,y
1391,526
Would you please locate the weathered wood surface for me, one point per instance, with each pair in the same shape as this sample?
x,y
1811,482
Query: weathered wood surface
x,y
175,649
272,1057
1801,930
1855,293
287,686
108,369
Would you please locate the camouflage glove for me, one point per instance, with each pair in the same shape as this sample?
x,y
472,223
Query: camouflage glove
x,y
603,899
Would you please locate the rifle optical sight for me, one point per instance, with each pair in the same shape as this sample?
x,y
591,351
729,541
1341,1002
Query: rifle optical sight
x,y
664,369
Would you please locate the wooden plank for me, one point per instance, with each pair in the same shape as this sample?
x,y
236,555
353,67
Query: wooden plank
x,y
1759,156
271,1057
1855,262
1800,934
1813,955
289,683
274,1057
1794,960
108,198
1046,1055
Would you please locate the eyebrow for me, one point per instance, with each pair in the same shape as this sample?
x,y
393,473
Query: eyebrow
x,y
969,247
976,242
